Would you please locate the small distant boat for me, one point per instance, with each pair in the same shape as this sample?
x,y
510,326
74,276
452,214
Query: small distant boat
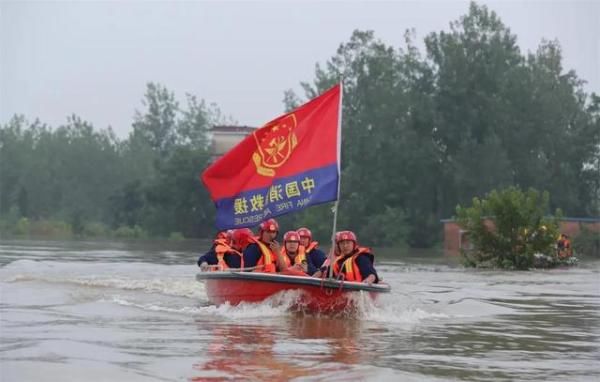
x,y
316,295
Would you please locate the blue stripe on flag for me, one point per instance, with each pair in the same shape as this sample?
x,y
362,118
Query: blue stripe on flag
x,y
284,196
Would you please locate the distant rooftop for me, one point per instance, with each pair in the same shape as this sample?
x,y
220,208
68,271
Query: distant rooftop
x,y
232,129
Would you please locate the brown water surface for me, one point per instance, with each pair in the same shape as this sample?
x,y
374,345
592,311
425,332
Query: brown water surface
x,y
74,311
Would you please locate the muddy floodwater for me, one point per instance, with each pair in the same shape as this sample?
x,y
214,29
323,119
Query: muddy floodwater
x,y
110,311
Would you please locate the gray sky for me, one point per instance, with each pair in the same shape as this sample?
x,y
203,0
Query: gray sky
x,y
94,58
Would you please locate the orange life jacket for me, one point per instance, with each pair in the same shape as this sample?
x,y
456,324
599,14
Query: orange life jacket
x,y
299,259
348,267
267,259
221,248
326,262
566,251
311,246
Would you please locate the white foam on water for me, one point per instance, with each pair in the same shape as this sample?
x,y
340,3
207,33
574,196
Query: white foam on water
x,y
394,309
390,310
153,307
277,305
179,281
169,280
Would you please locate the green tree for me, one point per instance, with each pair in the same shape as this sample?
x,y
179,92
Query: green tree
x,y
196,120
158,125
63,173
423,134
521,227
386,134
176,201
472,63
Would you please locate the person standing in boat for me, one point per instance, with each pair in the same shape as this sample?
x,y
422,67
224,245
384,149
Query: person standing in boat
x,y
314,256
354,263
226,252
262,251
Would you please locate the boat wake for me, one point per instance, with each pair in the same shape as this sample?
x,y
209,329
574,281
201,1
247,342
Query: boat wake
x,y
173,289
395,309
389,309
285,304
149,278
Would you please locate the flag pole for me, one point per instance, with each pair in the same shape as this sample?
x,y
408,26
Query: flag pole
x,y
332,251
339,165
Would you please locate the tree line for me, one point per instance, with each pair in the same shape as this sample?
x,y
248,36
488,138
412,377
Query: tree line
x,y
422,132
145,185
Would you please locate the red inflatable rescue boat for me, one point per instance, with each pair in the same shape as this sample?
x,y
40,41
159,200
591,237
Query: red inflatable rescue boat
x,y
316,295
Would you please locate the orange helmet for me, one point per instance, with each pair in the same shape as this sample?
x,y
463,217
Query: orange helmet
x,y
268,225
305,232
345,235
291,236
241,237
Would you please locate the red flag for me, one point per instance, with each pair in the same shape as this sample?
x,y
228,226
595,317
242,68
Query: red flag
x,y
288,164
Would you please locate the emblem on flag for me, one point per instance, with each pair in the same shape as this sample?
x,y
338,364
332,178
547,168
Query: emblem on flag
x,y
275,146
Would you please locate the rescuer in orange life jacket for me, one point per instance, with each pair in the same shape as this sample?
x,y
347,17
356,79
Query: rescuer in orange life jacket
x,y
563,246
355,263
226,251
314,256
262,251
292,256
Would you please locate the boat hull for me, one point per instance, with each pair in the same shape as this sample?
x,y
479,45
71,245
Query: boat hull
x,y
314,295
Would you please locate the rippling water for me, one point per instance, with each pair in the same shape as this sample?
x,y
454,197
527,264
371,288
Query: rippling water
x,y
74,311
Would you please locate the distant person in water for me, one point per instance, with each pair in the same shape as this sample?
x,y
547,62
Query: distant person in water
x,y
563,247
354,263
226,251
261,253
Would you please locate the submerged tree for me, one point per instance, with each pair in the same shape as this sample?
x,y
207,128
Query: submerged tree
x,y
508,227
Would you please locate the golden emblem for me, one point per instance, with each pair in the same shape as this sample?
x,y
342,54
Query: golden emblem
x,y
275,142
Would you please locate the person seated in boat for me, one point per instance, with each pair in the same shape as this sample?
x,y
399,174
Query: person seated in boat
x,y
226,252
261,253
221,243
291,259
354,263
221,238
314,256
334,253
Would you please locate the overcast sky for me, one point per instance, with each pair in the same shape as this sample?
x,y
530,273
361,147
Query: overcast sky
x,y
94,58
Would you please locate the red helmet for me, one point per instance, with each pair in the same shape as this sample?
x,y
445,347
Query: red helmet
x,y
291,236
269,225
224,235
304,232
241,237
345,235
